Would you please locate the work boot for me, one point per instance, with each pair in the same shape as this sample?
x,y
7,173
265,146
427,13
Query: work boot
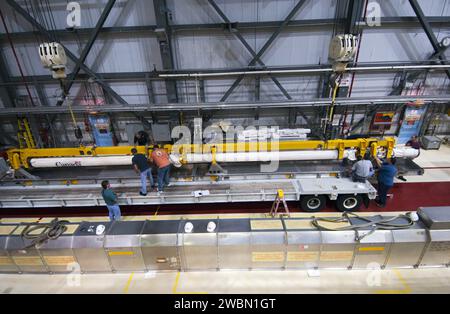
x,y
380,205
402,178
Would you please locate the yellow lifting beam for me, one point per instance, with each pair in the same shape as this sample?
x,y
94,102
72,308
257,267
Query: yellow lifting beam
x,y
19,157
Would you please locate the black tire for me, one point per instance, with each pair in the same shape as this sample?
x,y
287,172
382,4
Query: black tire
x,y
312,203
348,202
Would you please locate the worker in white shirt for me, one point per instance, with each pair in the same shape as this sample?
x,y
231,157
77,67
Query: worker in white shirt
x,y
362,169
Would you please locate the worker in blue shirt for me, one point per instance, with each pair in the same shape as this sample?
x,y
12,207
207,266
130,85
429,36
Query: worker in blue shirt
x,y
110,199
386,174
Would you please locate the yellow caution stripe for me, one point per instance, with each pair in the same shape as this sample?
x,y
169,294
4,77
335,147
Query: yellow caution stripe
x,y
27,260
5,261
374,248
267,256
120,253
59,260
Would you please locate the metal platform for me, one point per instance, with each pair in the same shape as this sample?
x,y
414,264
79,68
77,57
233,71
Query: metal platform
x,y
181,192
241,243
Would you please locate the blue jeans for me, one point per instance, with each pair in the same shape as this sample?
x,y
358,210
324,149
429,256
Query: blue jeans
x,y
144,175
163,177
114,212
382,193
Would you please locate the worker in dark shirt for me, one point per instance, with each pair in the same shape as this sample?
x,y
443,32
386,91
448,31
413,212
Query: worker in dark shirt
x,y
142,167
386,174
413,142
141,138
111,201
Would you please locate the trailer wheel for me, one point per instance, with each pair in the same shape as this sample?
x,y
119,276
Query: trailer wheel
x,y
312,203
348,202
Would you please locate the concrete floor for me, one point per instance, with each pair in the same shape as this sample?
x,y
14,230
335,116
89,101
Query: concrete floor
x,y
436,164
403,281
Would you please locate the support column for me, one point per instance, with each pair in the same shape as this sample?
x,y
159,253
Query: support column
x,y
164,35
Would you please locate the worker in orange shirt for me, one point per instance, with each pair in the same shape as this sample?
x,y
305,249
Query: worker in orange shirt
x,y
161,159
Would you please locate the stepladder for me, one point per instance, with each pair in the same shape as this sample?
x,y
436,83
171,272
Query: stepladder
x,y
279,199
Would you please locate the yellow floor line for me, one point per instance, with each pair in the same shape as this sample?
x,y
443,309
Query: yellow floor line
x,y
127,286
175,287
177,278
407,289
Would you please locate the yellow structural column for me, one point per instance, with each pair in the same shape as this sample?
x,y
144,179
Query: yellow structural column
x,y
374,149
213,154
15,161
362,147
390,147
341,149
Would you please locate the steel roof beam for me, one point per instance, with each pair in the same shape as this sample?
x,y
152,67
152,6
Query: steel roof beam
x,y
354,16
256,57
154,76
7,94
388,100
428,31
87,48
164,35
48,35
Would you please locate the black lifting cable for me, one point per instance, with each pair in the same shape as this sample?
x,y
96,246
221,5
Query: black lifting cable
x,y
30,10
383,224
50,231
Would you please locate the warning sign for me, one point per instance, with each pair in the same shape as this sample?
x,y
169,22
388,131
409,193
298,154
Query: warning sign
x,y
5,261
267,256
27,260
302,256
59,260
266,225
298,224
336,256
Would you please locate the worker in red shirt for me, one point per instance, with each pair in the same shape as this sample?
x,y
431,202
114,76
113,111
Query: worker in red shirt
x,y
161,159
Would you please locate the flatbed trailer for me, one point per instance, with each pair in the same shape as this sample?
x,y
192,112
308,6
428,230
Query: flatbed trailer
x,y
312,192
